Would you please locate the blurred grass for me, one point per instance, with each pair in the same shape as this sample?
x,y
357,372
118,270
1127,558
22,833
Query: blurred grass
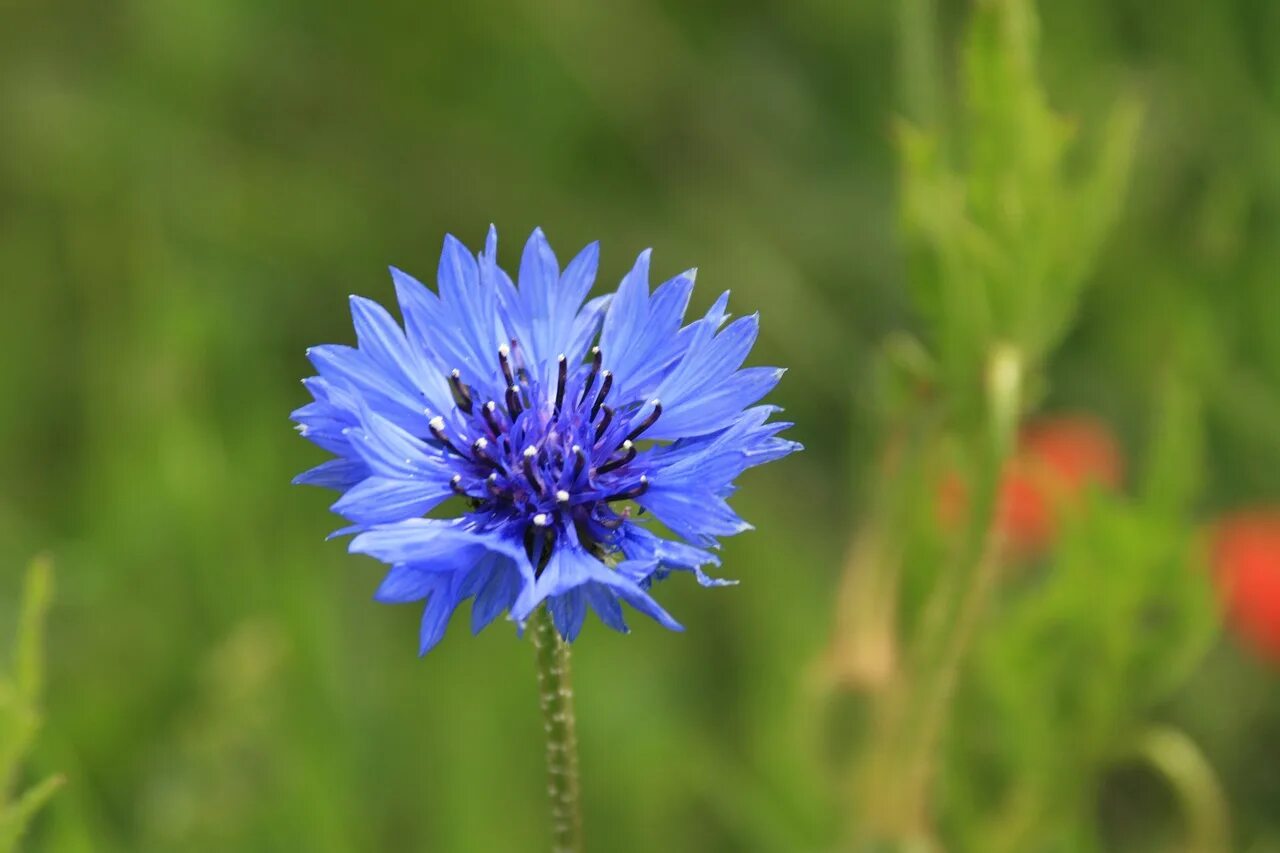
x,y
187,194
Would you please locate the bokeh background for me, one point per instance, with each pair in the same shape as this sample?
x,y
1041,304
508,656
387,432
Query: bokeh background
x,y
189,191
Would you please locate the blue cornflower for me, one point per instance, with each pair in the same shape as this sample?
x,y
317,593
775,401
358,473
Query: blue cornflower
x,y
553,422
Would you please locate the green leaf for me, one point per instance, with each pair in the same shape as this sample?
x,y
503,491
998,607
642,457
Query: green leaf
x,y
29,655
19,705
14,820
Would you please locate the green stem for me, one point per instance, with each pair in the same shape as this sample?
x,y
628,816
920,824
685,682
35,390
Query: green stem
x,y
918,62
1191,776
555,694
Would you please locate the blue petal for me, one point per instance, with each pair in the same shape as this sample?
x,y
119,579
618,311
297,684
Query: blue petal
x,y
703,392
439,610
569,610
501,585
693,515
569,568
425,319
712,461
647,556
405,583
575,283
382,340
470,306
605,604
543,314
539,289
324,421
380,500
438,545
623,330
390,451
447,561
337,474
639,337
585,327
716,406
345,366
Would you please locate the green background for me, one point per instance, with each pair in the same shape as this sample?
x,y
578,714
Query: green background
x,y
188,192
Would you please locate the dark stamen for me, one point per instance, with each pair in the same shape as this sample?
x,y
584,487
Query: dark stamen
x,y
461,393
596,359
514,404
504,360
492,482
541,546
490,411
436,425
629,453
480,450
637,431
631,493
531,473
456,485
530,547
562,365
579,462
605,385
605,421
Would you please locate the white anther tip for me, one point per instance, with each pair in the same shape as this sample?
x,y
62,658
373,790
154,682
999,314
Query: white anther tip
x,y
627,444
456,478
577,448
482,442
541,519
504,350
562,496
644,478
530,452
436,423
562,357
455,373
491,406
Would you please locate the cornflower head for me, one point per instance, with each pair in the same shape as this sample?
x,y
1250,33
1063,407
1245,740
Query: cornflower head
x,y
504,443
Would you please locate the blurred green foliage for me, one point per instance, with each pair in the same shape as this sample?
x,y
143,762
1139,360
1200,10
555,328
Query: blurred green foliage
x,y
188,192
1001,250
20,688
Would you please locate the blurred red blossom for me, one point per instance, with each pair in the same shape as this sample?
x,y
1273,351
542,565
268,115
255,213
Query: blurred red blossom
x,y
1246,569
1056,460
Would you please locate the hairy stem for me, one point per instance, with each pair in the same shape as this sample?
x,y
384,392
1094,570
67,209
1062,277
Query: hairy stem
x,y
555,694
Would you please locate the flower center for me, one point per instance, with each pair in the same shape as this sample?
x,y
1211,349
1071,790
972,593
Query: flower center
x,y
549,457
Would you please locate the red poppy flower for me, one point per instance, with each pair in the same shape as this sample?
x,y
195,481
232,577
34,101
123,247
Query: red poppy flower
x,y
1246,568
1057,459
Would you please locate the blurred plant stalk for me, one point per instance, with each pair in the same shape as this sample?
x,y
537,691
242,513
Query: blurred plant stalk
x,y
999,250
1204,806
20,692
893,782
